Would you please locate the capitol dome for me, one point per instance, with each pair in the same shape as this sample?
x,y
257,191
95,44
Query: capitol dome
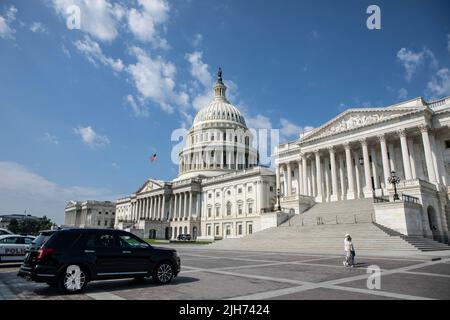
x,y
219,109
219,140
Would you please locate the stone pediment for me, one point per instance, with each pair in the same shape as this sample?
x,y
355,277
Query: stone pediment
x,y
150,185
357,118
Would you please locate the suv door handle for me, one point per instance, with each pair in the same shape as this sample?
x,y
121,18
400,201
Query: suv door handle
x,y
126,251
89,251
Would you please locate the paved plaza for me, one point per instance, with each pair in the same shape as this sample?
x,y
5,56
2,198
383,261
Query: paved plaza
x,y
222,274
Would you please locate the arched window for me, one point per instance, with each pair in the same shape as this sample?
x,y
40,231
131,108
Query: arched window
x,y
229,208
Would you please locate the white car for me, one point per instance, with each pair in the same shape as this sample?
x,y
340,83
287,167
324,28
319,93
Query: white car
x,y
4,232
13,247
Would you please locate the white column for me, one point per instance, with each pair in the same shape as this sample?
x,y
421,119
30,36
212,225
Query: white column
x,y
373,154
334,185
299,178
411,157
358,188
197,209
342,176
289,178
327,191
391,156
349,164
163,207
433,154
277,173
304,174
405,154
318,177
367,176
175,206
185,205
158,207
170,208
190,205
385,160
427,150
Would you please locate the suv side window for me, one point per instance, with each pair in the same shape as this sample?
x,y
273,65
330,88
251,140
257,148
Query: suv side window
x,y
101,240
129,241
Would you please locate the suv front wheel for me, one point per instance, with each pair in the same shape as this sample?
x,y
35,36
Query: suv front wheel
x,y
73,280
163,273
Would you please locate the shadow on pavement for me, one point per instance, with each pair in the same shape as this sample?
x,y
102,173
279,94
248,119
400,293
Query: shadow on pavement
x,y
116,285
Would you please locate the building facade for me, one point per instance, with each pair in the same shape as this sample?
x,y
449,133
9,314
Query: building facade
x,y
90,214
354,155
219,186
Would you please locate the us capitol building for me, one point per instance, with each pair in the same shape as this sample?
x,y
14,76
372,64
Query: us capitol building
x,y
220,191
394,159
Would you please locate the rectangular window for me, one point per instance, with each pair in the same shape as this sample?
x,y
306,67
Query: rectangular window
x,y
250,208
209,230
217,230
217,211
249,189
240,229
447,144
271,188
106,223
240,190
209,195
99,222
209,212
250,229
239,209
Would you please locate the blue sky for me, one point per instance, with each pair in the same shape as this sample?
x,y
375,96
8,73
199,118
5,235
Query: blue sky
x,y
82,110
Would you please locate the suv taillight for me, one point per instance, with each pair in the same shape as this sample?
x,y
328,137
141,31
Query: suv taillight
x,y
43,252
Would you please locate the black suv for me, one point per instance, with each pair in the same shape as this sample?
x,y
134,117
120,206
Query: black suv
x,y
184,237
71,258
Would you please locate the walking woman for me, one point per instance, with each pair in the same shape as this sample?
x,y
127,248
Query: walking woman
x,y
349,252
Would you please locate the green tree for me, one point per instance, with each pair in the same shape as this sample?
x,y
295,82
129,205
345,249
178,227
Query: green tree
x,y
29,226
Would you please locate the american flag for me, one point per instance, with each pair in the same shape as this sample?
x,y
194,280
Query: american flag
x,y
153,157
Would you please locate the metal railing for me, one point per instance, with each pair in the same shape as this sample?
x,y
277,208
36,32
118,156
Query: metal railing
x,y
380,199
411,199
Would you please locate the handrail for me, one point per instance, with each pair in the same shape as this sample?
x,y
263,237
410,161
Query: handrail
x,y
411,199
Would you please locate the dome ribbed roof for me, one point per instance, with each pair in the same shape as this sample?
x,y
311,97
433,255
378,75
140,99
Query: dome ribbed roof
x,y
219,110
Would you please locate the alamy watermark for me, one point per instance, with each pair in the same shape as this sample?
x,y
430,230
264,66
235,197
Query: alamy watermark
x,y
374,280
215,146
73,19
374,20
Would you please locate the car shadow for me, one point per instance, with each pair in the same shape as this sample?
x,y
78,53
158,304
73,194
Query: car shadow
x,y
116,285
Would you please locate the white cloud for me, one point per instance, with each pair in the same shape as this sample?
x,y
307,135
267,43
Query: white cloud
x,y
50,138
199,69
66,51
143,23
154,78
402,93
411,60
91,138
6,31
289,129
38,27
94,54
198,38
21,189
448,42
258,122
99,18
439,85
139,110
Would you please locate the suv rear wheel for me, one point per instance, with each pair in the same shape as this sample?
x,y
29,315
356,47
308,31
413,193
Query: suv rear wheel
x,y
163,273
73,280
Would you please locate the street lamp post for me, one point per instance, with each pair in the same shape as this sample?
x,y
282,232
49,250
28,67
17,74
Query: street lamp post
x,y
394,180
278,197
